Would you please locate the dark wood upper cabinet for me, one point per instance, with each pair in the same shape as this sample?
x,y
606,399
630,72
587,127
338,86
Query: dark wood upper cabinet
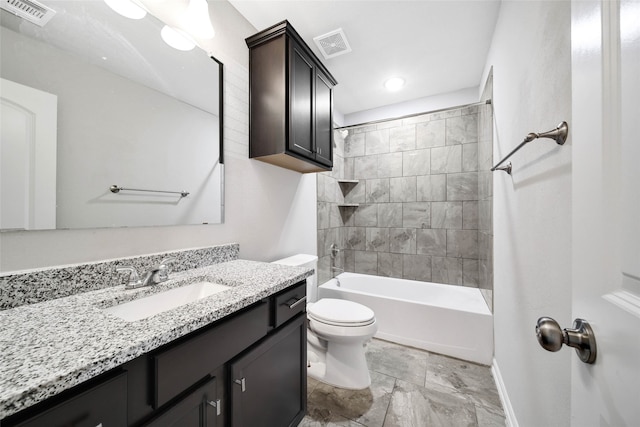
x,y
291,102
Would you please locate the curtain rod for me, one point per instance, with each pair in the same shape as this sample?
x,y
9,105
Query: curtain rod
x,y
373,122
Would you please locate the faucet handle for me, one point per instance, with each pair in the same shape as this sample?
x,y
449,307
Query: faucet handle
x,y
133,280
163,269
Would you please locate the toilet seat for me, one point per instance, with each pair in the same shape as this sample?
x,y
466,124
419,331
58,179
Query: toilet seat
x,y
337,312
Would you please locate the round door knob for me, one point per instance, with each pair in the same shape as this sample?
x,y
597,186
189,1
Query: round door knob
x,y
551,337
549,334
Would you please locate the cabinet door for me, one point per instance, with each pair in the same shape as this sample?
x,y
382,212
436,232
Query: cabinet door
x,y
200,408
324,121
269,382
103,405
301,76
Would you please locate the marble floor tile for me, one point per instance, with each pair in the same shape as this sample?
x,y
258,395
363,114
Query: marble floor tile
x,y
467,378
367,407
416,406
405,363
410,387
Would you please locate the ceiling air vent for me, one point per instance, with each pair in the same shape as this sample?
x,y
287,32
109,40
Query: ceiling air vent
x,y
333,44
30,10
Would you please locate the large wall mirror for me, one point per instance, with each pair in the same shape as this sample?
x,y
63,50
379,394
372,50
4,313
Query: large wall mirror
x,y
92,100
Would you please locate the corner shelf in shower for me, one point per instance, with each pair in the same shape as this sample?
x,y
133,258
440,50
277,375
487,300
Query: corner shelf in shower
x,y
348,205
348,181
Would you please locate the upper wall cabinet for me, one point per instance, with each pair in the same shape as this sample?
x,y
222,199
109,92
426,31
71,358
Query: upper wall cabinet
x,y
291,102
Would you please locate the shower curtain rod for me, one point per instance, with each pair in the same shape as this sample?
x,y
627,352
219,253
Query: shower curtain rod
x,y
373,122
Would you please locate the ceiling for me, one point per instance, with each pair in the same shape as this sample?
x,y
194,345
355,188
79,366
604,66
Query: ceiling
x,y
436,46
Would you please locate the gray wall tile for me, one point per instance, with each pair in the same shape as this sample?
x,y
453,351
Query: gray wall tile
x,y
366,216
389,165
447,270
425,189
402,138
431,242
446,215
416,267
355,238
365,167
462,130
403,189
430,134
462,243
462,186
377,239
416,215
390,215
470,215
470,157
366,262
354,144
390,265
376,142
377,190
402,240
431,188
446,159
416,162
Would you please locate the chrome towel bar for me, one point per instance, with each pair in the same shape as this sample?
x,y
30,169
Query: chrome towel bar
x,y
116,189
559,134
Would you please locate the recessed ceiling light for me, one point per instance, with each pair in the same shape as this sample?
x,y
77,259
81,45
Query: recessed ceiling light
x,y
394,83
128,8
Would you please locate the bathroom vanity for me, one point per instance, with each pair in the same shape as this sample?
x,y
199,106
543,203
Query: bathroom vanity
x,y
236,358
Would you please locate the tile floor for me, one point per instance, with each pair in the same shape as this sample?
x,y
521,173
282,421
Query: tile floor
x,y
409,388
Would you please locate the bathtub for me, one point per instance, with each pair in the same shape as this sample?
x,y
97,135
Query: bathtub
x,y
450,320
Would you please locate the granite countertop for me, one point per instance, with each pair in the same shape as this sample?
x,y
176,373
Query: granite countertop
x,y
54,345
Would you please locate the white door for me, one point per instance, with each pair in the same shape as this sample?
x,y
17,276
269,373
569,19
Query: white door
x,y
606,208
27,157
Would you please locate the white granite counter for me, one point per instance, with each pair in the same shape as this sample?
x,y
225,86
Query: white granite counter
x,y
54,345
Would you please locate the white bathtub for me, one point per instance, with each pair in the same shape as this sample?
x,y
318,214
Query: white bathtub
x,y
450,320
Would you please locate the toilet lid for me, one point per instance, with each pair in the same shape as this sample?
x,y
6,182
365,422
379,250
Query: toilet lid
x,y
340,312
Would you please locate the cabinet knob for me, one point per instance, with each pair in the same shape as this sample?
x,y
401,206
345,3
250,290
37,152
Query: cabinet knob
x,y
215,404
241,382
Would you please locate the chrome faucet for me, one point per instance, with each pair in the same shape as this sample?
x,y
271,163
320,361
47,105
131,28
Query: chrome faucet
x,y
156,274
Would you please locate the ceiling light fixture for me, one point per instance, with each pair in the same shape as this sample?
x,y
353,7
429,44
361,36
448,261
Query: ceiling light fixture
x,y
197,20
127,8
177,38
394,84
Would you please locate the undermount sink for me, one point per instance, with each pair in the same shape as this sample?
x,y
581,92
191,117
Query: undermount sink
x,y
154,304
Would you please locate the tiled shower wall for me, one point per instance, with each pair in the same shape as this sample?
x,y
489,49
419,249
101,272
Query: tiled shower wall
x,y
417,196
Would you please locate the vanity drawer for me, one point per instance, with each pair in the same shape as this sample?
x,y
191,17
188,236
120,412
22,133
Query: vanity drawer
x,y
102,405
180,366
289,303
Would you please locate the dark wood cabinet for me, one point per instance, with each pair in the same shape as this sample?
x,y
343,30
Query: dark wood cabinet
x,y
291,102
191,382
268,382
199,408
100,404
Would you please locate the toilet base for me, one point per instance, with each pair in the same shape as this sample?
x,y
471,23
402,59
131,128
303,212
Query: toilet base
x,y
340,366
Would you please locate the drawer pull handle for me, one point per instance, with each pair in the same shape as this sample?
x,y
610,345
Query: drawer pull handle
x,y
215,404
242,384
296,302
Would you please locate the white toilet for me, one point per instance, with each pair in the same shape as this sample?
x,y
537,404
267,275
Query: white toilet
x,y
336,334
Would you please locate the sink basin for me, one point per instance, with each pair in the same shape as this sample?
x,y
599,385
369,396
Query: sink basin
x,y
154,304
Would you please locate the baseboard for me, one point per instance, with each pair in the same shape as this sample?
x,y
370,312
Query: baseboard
x,y
510,416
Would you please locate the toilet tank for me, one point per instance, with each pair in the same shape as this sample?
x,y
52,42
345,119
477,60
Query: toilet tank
x,y
309,261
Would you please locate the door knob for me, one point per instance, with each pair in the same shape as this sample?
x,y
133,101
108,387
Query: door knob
x,y
581,337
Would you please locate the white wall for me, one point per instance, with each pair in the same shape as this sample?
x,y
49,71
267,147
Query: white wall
x,y
260,199
530,55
